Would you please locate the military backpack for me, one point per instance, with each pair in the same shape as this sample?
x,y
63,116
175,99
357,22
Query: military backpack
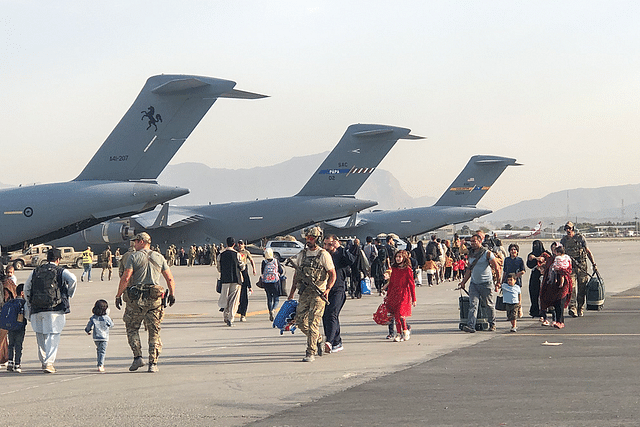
x,y
46,293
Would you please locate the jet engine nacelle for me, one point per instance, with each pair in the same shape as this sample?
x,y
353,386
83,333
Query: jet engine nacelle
x,y
108,233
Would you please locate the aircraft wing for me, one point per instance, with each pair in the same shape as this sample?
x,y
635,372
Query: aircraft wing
x,y
349,222
167,218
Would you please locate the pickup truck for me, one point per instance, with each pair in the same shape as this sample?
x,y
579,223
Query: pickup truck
x,y
35,255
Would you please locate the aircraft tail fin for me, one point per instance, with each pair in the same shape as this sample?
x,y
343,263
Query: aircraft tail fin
x,y
537,229
359,152
475,180
164,114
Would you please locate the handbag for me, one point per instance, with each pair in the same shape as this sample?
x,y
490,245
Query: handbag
x,y
260,283
382,315
500,305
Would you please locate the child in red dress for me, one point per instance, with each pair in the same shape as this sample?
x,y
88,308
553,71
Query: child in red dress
x,y
401,294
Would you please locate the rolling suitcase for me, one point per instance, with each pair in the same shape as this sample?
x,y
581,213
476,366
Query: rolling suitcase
x,y
286,316
482,320
595,292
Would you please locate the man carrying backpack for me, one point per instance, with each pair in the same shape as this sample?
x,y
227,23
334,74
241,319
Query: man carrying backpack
x,y
47,292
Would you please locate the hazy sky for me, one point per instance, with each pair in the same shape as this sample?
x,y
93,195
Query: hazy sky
x,y
554,84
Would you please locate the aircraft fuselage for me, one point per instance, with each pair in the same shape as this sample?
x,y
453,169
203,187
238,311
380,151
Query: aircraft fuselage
x,y
39,213
406,222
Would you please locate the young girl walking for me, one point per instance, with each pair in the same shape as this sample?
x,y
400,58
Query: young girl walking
x,y
401,294
100,322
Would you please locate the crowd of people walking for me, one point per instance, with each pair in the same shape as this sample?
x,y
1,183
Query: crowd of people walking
x,y
327,273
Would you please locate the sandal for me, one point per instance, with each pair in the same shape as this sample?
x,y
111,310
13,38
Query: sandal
x,y
545,323
559,325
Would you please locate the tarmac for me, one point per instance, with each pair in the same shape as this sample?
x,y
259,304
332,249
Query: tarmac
x,y
249,374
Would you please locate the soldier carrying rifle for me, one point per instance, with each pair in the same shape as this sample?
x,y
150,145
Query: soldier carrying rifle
x,y
315,276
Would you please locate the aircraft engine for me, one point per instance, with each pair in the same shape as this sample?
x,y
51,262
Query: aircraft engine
x,y
115,232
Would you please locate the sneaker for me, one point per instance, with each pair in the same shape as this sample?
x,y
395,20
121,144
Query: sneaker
x,y
492,328
271,316
229,323
545,323
573,312
513,329
100,368
137,363
397,338
390,336
309,358
10,366
337,348
153,367
581,312
468,329
49,369
559,325
406,335
243,318
17,369
328,348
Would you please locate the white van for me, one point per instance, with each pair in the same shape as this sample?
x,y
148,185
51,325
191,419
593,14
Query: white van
x,y
283,249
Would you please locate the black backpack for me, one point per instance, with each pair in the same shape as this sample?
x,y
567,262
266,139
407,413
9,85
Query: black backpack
x,y
46,292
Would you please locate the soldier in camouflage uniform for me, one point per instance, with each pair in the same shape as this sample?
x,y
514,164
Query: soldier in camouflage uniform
x,y
170,255
316,272
576,247
192,255
143,296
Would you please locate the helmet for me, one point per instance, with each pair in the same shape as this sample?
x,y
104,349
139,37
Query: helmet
x,y
313,231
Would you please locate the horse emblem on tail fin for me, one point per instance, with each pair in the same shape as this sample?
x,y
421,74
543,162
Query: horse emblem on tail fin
x,y
149,114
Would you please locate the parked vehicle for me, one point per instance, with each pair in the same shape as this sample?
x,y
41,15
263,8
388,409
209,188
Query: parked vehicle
x,y
283,249
33,256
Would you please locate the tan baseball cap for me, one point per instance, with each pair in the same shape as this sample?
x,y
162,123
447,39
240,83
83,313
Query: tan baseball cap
x,y
143,236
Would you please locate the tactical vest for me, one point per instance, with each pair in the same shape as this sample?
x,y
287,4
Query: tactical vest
x,y
574,250
312,271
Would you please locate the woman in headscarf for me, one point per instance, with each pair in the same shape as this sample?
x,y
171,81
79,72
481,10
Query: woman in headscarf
x,y
535,259
555,288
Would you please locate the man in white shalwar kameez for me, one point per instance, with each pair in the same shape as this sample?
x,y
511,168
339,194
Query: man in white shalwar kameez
x,y
48,323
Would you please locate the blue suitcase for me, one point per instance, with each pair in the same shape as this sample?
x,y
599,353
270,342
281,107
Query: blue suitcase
x,y
286,316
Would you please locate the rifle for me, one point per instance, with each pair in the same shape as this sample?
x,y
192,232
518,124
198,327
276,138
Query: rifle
x,y
305,283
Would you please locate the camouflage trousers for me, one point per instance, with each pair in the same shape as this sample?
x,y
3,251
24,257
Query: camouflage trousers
x,y
308,316
151,312
580,278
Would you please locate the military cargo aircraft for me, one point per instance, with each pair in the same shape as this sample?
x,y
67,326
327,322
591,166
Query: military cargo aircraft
x,y
455,206
120,178
329,194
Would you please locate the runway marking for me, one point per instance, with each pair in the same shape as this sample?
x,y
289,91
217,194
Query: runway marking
x,y
62,380
624,296
183,315
572,335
